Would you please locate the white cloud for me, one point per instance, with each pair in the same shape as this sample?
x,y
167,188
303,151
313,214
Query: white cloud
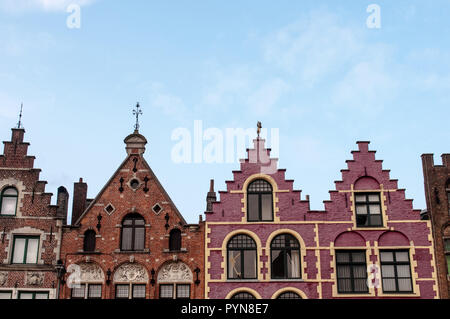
x,y
45,5
312,47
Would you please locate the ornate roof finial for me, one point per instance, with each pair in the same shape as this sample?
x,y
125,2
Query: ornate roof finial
x,y
137,112
19,125
259,126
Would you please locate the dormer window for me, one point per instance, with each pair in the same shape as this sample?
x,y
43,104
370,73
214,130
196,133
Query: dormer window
x,y
8,201
259,201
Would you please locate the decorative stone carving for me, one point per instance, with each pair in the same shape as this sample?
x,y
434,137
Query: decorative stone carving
x,y
3,277
175,272
91,273
131,273
35,278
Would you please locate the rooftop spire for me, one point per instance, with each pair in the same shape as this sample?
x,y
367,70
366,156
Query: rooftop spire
x,y
137,112
19,125
259,126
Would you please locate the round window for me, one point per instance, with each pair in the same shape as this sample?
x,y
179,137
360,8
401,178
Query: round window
x,y
134,183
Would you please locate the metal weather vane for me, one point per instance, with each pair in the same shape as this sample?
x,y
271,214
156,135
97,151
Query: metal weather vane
x,y
20,117
259,126
137,112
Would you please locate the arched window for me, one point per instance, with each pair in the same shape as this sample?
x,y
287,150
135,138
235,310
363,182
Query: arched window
x,y
242,255
89,241
133,232
175,240
259,201
289,295
243,295
285,257
8,201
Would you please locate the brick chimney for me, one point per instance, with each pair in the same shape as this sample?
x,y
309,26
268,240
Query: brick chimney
x,y
79,200
211,197
62,202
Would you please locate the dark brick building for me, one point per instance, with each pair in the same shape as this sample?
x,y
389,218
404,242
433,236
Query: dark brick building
x,y
131,241
30,226
437,193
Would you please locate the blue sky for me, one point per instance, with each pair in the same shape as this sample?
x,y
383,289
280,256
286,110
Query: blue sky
x,y
312,69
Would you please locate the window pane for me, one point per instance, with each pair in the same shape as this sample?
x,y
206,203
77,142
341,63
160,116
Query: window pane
x,y
126,238
375,209
386,256
360,198
362,220
95,291
293,266
122,291
278,264
343,271
19,250
360,272
389,284
25,295
342,257
388,271
344,285
375,220
139,291
374,198
128,222
361,285
358,257
403,271
243,295
79,292
404,285
402,256
10,192
253,207
5,295
166,291
139,222
41,295
361,209
289,295
183,291
234,264
32,250
249,264
139,238
266,203
9,205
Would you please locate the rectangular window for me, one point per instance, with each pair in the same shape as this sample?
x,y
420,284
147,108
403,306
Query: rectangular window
x,y
95,292
127,238
79,292
249,264
183,291
139,238
138,291
33,295
5,294
25,250
368,210
166,291
351,271
396,271
253,207
447,254
122,291
266,207
234,267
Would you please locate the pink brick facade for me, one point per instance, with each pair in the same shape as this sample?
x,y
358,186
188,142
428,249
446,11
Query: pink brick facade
x,y
321,234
